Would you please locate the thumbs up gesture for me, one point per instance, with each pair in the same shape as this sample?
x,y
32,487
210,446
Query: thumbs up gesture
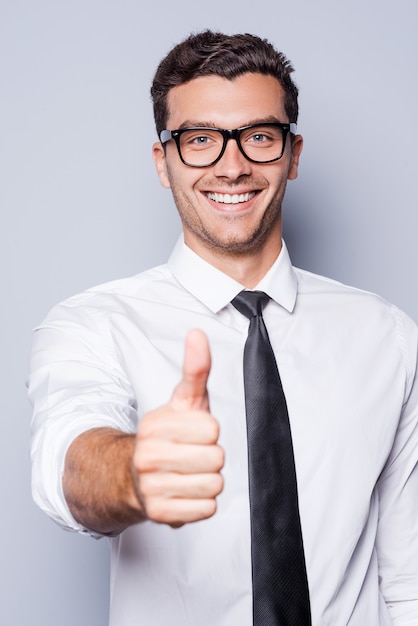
x,y
177,457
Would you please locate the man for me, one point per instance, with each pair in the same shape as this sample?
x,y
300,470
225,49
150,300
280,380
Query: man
x,y
138,391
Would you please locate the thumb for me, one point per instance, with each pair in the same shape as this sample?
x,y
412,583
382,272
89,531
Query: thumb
x,y
191,392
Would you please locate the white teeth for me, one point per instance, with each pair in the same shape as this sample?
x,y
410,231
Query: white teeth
x,y
227,198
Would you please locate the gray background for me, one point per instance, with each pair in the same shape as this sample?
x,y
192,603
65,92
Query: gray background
x,y
81,204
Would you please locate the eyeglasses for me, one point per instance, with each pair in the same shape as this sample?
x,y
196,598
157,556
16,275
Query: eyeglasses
x,y
202,147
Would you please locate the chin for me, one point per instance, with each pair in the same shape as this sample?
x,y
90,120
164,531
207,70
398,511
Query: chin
x,y
233,246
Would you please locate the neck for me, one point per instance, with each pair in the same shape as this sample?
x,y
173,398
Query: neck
x,y
246,268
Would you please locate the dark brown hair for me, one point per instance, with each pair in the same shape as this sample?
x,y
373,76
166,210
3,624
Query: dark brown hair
x,y
210,53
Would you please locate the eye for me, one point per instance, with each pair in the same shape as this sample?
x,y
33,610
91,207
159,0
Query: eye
x,y
258,138
199,138
261,136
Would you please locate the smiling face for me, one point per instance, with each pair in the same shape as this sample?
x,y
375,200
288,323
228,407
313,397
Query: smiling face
x,y
232,209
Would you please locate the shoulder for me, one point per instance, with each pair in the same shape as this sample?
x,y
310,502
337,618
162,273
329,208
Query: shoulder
x,y
336,294
357,313
115,296
90,322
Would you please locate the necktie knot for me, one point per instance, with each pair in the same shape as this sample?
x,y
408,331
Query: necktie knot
x,y
250,303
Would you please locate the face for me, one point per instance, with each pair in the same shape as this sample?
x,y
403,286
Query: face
x,y
232,208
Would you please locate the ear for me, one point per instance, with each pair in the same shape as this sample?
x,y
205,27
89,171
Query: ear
x,y
297,145
158,154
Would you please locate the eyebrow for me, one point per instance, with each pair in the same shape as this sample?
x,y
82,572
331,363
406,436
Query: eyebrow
x,y
190,123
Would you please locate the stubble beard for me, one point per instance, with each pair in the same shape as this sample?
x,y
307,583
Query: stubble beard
x,y
228,244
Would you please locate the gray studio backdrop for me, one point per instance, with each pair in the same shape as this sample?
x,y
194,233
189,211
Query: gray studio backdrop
x,y
81,204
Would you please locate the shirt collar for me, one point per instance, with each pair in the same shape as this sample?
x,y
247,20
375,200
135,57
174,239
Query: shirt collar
x,y
216,289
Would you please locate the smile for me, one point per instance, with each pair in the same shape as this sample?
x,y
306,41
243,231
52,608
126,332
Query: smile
x,y
227,198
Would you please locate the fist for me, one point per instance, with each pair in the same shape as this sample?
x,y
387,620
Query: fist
x,y
177,457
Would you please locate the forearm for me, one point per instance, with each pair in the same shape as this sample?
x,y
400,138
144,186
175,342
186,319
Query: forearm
x,y
99,481
168,473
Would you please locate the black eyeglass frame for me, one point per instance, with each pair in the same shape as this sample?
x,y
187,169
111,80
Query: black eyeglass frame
x,y
235,133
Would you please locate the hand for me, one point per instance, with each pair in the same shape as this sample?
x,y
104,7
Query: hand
x,y
177,458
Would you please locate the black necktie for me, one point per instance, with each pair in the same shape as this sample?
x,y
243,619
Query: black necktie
x,y
280,587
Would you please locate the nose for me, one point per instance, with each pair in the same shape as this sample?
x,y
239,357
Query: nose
x,y
233,163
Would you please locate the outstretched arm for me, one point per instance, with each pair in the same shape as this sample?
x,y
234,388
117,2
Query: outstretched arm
x,y
169,472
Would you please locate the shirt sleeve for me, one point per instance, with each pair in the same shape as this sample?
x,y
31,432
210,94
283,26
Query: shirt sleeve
x,y
397,538
75,383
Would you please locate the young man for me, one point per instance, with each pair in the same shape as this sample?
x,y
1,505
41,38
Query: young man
x,y
161,466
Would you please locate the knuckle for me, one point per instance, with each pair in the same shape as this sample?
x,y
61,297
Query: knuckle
x,y
154,423
147,425
146,458
209,508
214,484
155,510
147,486
217,484
213,429
218,457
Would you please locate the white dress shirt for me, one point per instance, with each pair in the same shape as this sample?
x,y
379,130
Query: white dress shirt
x,y
347,360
